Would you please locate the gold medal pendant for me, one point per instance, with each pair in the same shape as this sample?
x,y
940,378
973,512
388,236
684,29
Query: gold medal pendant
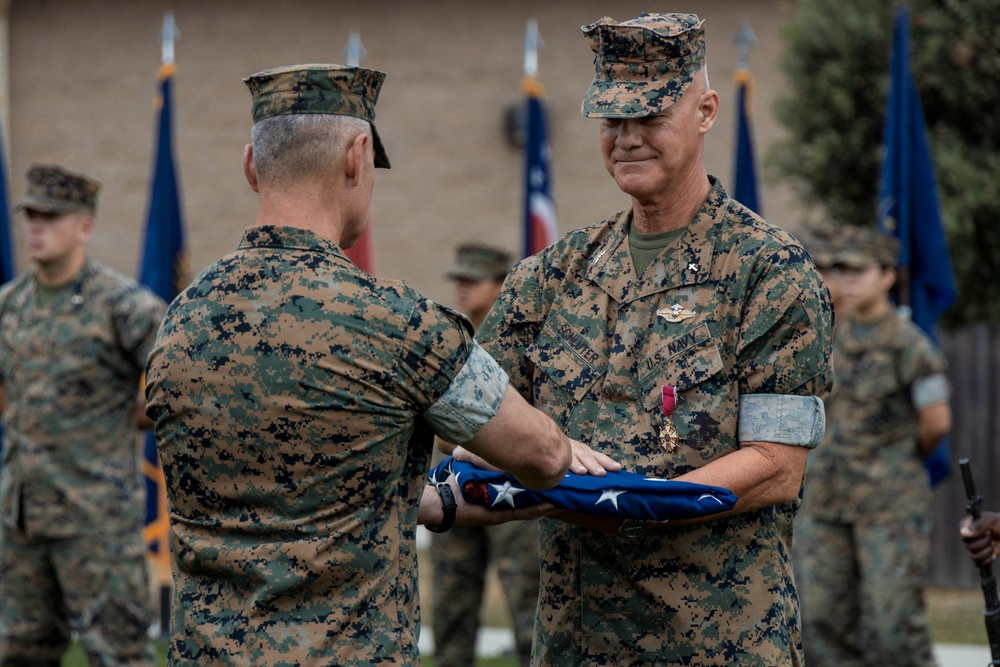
x,y
670,440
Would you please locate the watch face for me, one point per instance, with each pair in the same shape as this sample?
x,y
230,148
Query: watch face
x,y
632,527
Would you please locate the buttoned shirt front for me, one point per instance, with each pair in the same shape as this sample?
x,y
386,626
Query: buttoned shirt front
x,y
71,371
732,308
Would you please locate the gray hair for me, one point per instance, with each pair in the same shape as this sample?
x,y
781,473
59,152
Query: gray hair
x,y
292,147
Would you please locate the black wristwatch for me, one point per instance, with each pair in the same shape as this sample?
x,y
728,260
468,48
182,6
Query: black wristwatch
x,y
448,505
632,527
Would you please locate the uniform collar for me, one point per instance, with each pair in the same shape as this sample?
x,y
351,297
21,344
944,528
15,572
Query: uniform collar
x,y
686,261
291,238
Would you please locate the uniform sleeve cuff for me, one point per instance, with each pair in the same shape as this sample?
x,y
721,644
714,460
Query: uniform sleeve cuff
x,y
782,418
472,398
929,390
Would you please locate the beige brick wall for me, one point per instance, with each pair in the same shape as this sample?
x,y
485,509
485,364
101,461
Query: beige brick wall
x,y
82,74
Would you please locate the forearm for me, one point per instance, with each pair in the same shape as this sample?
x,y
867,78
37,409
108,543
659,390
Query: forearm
x,y
933,424
761,474
430,512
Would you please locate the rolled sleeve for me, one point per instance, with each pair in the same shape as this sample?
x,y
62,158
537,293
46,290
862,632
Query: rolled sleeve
x,y
780,418
472,398
929,390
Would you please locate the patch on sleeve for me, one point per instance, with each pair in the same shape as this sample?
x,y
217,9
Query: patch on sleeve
x,y
782,418
472,398
929,390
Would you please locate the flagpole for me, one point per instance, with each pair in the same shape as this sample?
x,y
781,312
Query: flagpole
x,y
745,189
539,221
162,269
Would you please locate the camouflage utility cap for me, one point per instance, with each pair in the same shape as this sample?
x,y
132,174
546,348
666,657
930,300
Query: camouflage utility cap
x,y
324,89
475,261
52,189
822,245
644,65
863,247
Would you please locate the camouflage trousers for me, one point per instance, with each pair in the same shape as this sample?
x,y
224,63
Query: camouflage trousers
x,y
95,586
461,558
861,587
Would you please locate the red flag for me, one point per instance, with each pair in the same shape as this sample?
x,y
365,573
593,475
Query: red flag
x,y
362,253
539,209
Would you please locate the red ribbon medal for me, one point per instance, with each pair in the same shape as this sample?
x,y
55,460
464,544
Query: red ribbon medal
x,y
669,437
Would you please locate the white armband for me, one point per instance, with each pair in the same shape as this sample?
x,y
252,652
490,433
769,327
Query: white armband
x,y
929,390
472,399
781,418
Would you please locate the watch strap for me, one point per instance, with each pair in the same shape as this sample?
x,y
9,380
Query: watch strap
x,y
448,506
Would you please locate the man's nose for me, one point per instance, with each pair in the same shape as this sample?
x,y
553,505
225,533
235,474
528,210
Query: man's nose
x,y
629,134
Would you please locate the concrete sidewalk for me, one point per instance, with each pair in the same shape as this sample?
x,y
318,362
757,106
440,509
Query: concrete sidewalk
x,y
498,641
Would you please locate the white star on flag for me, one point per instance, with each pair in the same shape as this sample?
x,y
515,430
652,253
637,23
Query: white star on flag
x,y
505,493
612,495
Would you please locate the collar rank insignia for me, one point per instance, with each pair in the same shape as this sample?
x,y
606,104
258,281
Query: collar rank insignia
x,y
675,313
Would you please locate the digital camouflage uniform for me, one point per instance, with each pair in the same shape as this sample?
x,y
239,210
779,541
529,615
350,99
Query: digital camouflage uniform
x,y
589,342
286,385
862,541
72,556
462,555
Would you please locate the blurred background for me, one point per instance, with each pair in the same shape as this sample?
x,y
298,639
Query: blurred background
x,y
78,87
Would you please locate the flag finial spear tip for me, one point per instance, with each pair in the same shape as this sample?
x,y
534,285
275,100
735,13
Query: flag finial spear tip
x,y
532,43
745,40
355,50
168,36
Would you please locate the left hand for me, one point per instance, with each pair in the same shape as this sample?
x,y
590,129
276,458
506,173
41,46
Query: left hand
x,y
472,514
585,460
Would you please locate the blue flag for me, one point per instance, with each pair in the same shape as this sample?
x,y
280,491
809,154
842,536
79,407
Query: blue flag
x,y
908,208
164,259
621,494
163,270
6,251
745,189
539,209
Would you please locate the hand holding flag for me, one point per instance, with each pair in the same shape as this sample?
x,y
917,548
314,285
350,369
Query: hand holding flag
x,y
618,494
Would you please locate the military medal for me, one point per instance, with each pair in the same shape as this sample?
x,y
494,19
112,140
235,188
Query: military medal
x,y
670,439
675,313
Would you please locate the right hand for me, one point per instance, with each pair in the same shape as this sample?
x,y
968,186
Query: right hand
x,y
588,461
585,460
979,537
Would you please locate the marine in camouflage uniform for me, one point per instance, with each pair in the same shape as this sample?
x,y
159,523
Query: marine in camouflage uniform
x,y
862,541
729,312
72,557
461,557
295,399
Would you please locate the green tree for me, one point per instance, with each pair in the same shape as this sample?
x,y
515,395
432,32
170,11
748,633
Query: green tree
x,y
837,63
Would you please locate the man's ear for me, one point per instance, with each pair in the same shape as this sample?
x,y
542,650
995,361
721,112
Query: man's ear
x,y
708,107
86,228
249,169
358,158
890,275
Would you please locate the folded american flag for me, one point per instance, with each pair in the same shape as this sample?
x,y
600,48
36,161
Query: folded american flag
x,y
626,495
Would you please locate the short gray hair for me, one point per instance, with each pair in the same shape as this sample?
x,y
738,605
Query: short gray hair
x,y
292,147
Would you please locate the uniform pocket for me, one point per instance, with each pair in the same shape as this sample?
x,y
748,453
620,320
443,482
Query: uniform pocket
x,y
683,362
567,366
